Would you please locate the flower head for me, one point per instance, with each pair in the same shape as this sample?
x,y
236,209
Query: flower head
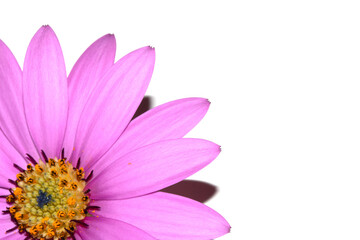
x,y
73,162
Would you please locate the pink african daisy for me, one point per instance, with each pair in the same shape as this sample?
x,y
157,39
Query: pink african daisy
x,y
74,165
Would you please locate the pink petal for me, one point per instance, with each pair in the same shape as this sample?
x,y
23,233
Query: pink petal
x,y
6,224
87,72
4,205
167,216
8,156
77,236
3,191
45,91
113,103
13,236
12,117
152,168
168,121
109,229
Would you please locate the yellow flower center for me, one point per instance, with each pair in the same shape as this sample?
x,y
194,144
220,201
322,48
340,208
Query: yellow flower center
x,y
49,200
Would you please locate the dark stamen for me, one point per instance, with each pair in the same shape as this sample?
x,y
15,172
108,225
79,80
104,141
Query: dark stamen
x,y
90,176
93,207
19,168
3,196
31,159
5,188
87,191
63,154
78,163
44,156
12,181
11,229
81,223
6,212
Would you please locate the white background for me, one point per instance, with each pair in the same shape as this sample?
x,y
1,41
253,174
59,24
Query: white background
x,y
284,81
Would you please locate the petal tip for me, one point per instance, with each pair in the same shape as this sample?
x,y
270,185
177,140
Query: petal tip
x,y
109,36
218,150
207,103
109,40
148,52
226,228
45,32
46,27
151,50
203,102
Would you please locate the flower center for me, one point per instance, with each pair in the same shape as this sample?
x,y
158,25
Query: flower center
x,y
49,199
43,198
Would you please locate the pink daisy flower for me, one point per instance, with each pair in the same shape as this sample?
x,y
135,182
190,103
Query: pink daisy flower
x,y
74,165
